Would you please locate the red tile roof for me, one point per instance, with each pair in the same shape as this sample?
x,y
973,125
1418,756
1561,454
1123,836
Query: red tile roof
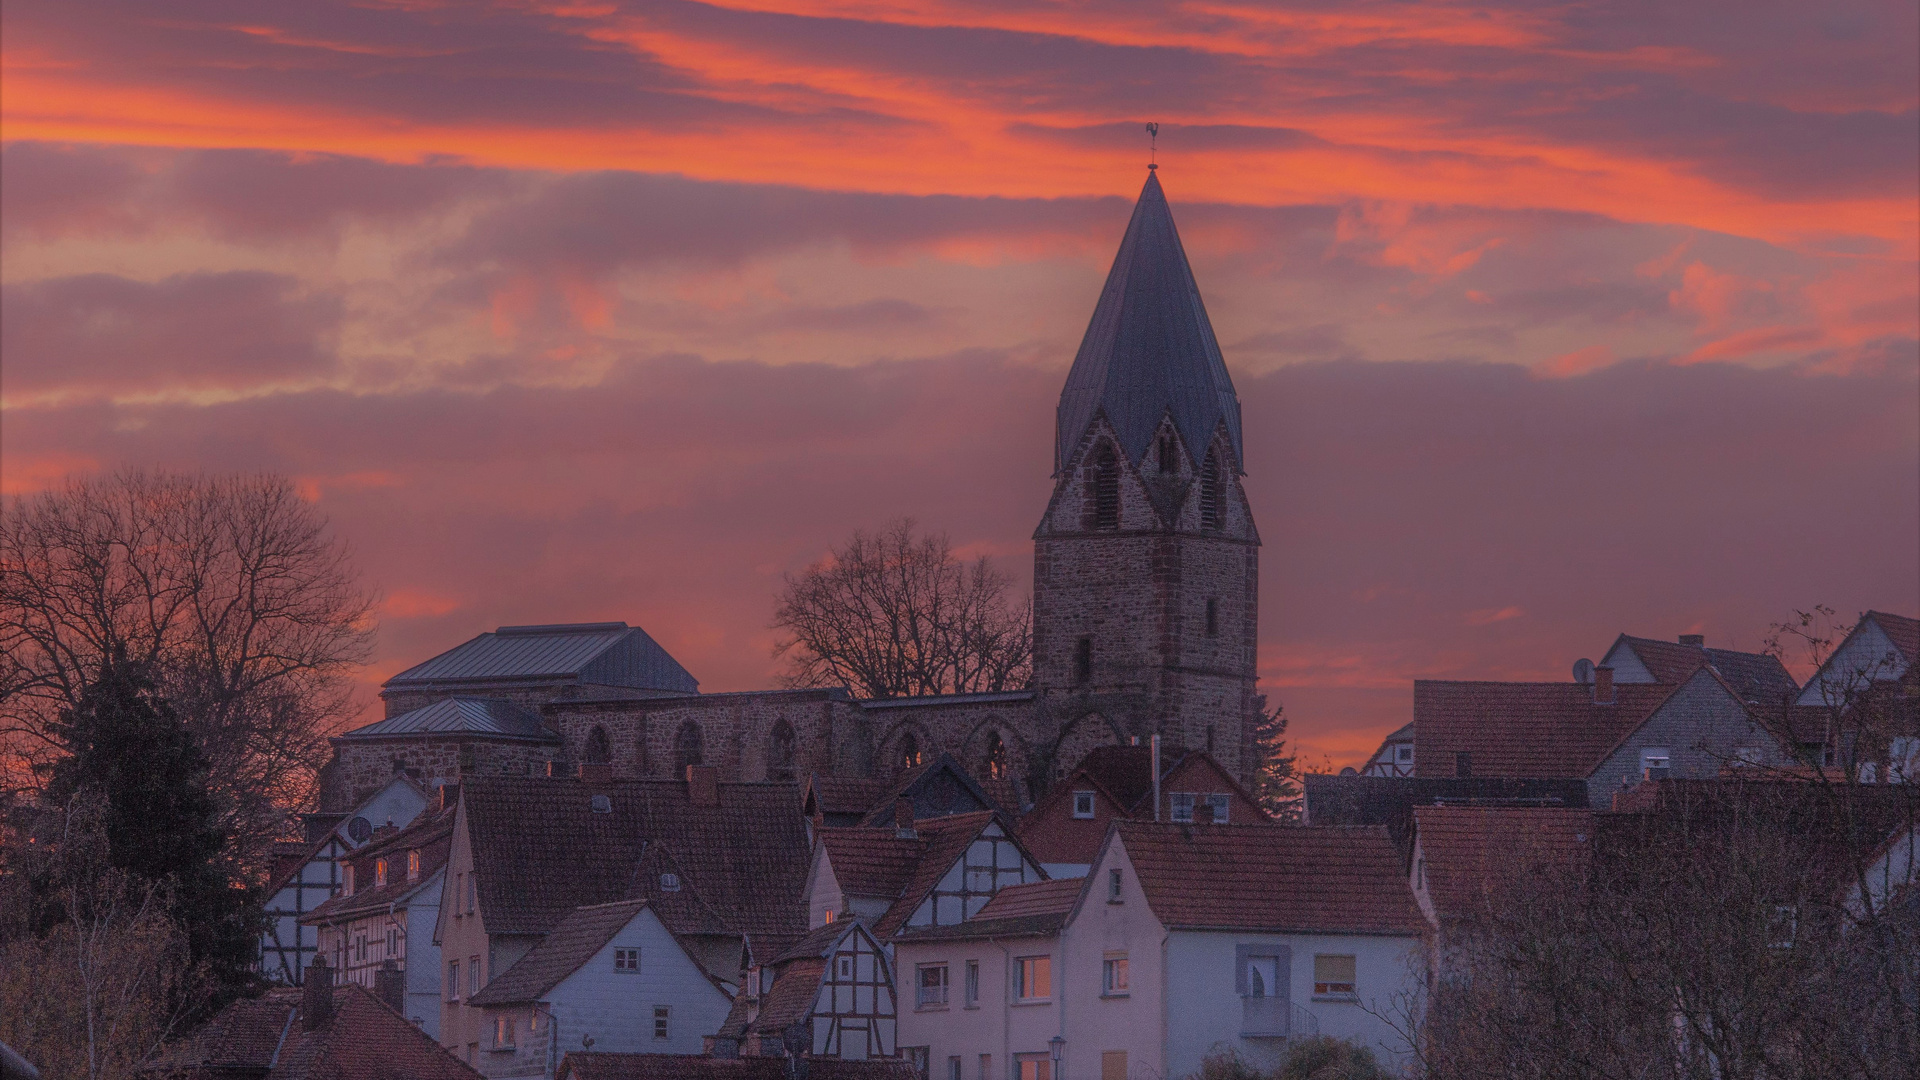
x,y
584,932
266,1038
1754,676
1272,878
881,863
604,1066
1524,729
1033,898
1902,631
790,999
946,840
1472,854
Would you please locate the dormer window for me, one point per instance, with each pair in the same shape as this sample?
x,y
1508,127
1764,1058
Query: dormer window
x,y
346,879
1104,484
1083,804
413,865
669,882
379,873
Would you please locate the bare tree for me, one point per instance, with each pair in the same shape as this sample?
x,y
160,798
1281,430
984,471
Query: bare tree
x,y
895,614
229,590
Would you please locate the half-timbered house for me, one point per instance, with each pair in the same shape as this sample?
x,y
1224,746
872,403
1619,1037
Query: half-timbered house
x,y
937,871
830,996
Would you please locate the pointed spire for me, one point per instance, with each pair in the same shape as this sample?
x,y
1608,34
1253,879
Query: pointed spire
x,y
1149,350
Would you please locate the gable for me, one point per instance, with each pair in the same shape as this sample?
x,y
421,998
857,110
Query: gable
x,y
1626,664
991,861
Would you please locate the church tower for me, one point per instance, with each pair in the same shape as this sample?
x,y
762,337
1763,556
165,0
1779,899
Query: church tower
x,y
1146,563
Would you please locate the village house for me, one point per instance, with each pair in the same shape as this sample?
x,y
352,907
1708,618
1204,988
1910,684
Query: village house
x,y
1066,828
937,786
382,918
913,872
830,996
1470,861
1881,648
721,866
1394,756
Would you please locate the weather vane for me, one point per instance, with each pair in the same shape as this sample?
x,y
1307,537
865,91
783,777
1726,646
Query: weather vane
x,y
1153,144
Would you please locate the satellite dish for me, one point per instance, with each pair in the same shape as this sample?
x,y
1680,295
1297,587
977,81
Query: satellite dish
x,y
1583,671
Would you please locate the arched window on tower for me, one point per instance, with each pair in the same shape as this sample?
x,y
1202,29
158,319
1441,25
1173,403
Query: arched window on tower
x,y
1104,479
687,748
599,749
996,756
1083,661
909,752
1213,492
1169,453
780,752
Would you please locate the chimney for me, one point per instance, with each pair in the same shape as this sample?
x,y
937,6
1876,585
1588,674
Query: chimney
x,y
596,774
390,986
449,796
903,820
316,998
703,785
1603,685
1698,641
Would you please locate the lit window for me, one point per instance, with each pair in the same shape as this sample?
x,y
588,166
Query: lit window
x,y
1083,804
661,1014
1182,802
627,960
1033,1067
1113,886
453,980
1219,805
932,986
379,873
1113,980
1333,976
1033,978
413,866
826,915
973,982
503,1032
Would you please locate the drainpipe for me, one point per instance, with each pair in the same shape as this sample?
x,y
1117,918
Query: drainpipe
x,y
1156,778
1060,984
1165,1002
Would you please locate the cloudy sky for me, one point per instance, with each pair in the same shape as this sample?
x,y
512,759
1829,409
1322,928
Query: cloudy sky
x,y
1550,321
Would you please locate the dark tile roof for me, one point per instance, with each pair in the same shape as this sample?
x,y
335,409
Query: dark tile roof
x,y
578,1065
819,941
608,654
1754,676
939,785
583,932
540,850
265,1037
843,795
1474,854
431,834
1124,772
1035,909
1391,800
461,715
871,862
1902,631
1524,729
1272,878
1149,350
790,999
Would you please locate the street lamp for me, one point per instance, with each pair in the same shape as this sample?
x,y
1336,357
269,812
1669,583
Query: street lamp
x,y
1056,1044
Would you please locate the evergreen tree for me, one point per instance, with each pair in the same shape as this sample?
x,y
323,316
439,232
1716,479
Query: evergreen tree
x,y
125,743
1276,779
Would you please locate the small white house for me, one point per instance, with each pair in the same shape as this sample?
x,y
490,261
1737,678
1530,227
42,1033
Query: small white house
x,y
609,973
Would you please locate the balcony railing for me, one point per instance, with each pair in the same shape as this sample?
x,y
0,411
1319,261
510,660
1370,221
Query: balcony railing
x,y
1275,1018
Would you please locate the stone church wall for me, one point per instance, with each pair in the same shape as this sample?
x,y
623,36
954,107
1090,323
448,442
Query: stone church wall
x,y
736,732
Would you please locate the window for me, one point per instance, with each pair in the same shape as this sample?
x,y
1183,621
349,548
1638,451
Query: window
x,y
1213,617
599,748
1182,803
473,975
453,980
780,752
1654,762
909,751
826,915
986,1067
1169,457
953,1068
503,1033
973,983
661,1015
346,878
1033,978
1083,661
996,756
627,960
1219,804
1213,492
1033,1067
459,887
360,948
932,988
393,941
1104,479
602,804
846,968
688,748
1113,975
413,865
1113,886
1113,1065
471,878
379,873
1403,754
669,882
1083,804
1265,977
1333,976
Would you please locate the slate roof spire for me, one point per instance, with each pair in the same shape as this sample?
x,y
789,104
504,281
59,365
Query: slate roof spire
x,y
1149,350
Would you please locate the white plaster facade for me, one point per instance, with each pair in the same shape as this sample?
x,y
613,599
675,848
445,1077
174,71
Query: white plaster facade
x,y
990,1030
1867,655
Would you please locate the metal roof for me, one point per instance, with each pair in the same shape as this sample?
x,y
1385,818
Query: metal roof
x,y
1149,349
608,654
473,716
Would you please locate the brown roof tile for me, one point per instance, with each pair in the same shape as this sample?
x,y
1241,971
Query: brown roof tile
x,y
946,840
1902,631
1523,729
364,1041
1033,898
431,835
597,1065
1272,878
1754,676
790,999
844,794
871,862
1471,853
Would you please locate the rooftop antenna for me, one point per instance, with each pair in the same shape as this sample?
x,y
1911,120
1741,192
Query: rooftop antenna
x,y
1153,145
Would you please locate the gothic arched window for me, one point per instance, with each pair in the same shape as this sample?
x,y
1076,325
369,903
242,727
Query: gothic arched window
x,y
780,752
599,750
1213,492
996,756
642,757
687,749
1169,455
1105,484
909,751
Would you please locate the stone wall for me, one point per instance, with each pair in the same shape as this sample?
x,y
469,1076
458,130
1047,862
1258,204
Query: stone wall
x,y
737,732
363,766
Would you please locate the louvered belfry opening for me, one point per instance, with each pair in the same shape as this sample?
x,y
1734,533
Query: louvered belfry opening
x,y
1213,493
1105,482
